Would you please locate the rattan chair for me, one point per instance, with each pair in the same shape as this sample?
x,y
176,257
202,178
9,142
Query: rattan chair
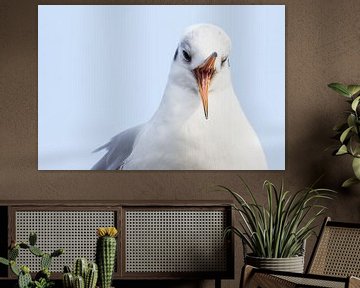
x,y
335,262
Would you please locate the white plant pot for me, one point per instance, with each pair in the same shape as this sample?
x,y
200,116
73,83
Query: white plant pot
x,y
291,264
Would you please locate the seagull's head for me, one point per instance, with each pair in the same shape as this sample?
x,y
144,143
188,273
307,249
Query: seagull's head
x,y
201,61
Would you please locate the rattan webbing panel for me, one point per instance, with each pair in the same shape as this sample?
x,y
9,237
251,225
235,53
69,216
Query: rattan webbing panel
x,y
75,231
338,253
175,241
313,282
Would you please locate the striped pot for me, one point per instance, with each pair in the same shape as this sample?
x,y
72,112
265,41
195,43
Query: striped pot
x,y
291,264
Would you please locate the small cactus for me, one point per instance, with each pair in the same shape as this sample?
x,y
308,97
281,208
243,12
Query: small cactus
x,y
57,252
14,268
36,251
67,278
13,253
79,282
106,254
45,261
4,261
81,266
32,238
24,278
91,276
83,273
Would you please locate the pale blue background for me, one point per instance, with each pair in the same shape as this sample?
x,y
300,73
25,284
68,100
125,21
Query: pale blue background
x,y
103,69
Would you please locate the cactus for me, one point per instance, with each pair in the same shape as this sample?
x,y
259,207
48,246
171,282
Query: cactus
x,y
36,251
13,253
24,280
80,267
105,254
57,253
44,273
45,261
90,272
14,268
42,278
68,280
79,282
67,269
32,238
4,261
91,276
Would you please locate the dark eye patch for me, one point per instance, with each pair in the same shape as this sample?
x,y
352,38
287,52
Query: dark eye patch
x,y
186,55
223,61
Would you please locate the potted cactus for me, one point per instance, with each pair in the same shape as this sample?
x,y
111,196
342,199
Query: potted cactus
x,y
106,254
42,278
84,275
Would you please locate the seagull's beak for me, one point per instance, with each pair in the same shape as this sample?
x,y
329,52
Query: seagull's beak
x,y
203,74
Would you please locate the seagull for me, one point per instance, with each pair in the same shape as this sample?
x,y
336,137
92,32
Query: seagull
x,y
199,124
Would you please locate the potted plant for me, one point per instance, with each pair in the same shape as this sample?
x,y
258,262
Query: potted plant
x,y
348,132
275,233
42,278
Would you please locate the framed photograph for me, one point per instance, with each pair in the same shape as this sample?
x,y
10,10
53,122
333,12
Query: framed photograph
x,y
148,87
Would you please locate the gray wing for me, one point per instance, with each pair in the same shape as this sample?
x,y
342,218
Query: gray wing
x,y
119,148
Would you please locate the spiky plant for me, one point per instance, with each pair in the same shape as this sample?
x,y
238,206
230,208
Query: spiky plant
x,y
84,274
42,278
279,229
106,254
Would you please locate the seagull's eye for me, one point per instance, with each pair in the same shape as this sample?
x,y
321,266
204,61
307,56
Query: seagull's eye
x,y
186,55
223,61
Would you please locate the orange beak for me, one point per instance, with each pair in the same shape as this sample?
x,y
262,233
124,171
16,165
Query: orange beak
x,y
203,74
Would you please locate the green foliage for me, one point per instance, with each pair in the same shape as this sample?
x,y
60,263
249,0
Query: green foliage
x,y
348,132
42,278
279,229
42,283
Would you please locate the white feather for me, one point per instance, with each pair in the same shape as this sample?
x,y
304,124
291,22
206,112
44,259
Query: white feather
x,y
179,137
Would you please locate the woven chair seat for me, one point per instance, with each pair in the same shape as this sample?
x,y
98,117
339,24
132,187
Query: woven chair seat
x,y
335,262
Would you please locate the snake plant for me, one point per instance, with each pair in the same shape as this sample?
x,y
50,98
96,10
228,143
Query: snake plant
x,y
348,132
279,228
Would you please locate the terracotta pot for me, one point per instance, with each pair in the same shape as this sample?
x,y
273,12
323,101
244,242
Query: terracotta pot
x,y
291,264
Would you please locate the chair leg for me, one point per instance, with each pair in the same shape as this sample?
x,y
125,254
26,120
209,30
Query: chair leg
x,y
246,274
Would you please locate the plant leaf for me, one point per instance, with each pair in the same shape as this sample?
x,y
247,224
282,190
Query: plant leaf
x,y
4,261
342,150
345,134
340,88
355,103
351,120
353,89
356,167
349,182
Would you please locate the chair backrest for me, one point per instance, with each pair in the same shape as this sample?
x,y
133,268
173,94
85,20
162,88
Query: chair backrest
x,y
337,251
